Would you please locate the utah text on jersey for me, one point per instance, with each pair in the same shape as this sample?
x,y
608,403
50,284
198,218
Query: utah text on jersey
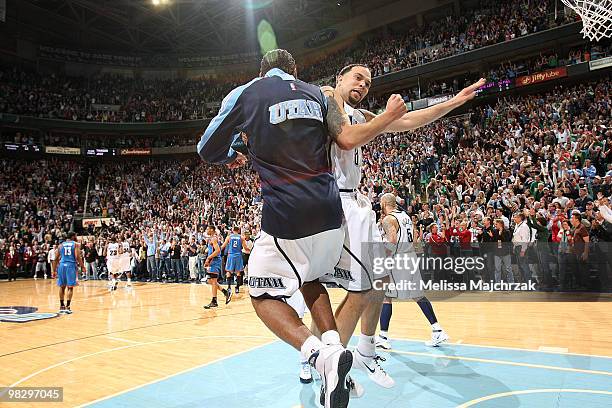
x,y
295,109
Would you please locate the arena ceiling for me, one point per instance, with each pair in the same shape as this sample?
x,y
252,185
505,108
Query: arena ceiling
x,y
178,27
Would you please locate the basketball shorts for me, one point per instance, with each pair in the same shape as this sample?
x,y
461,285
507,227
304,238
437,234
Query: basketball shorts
x,y
66,275
114,265
279,267
298,304
41,267
234,263
405,283
354,271
215,269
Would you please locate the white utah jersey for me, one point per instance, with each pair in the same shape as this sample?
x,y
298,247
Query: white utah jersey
x,y
404,235
347,163
113,250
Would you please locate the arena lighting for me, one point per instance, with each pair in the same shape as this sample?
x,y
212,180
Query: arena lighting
x,y
160,2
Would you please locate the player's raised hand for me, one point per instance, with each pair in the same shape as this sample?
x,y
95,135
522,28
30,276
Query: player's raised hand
x,y
467,94
396,107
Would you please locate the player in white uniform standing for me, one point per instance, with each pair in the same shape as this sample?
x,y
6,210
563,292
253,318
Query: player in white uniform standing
x,y
113,261
352,86
399,230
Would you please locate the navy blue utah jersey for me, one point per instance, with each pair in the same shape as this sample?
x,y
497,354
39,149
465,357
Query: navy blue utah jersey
x,y
288,142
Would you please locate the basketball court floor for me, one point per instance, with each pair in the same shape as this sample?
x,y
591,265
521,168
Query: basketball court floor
x,y
154,346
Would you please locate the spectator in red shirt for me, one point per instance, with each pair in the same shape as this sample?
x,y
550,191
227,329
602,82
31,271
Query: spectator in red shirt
x,y
463,234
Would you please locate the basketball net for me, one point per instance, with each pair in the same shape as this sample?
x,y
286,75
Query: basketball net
x,y
596,17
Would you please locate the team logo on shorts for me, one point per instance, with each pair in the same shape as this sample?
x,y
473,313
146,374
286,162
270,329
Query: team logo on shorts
x,y
343,274
22,314
266,283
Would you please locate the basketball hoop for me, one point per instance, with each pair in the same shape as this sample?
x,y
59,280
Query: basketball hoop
x,y
596,17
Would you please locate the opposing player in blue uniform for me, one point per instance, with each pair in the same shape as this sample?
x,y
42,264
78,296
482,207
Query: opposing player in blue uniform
x,y
67,255
234,242
288,126
214,265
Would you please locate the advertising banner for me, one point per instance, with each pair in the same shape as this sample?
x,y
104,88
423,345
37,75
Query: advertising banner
x,y
549,75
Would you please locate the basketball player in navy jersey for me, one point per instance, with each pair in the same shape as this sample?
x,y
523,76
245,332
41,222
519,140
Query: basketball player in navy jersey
x,y
234,265
214,264
352,273
67,255
288,126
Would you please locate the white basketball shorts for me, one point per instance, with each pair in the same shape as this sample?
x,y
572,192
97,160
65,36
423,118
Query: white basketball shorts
x,y
279,267
354,271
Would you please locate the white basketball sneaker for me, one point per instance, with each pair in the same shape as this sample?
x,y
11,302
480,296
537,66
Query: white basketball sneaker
x,y
305,373
371,365
383,343
333,364
437,337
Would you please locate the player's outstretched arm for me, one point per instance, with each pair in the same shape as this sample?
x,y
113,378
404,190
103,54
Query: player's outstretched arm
x,y
416,119
349,136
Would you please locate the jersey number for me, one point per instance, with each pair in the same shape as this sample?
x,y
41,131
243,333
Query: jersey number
x,y
112,252
67,251
356,157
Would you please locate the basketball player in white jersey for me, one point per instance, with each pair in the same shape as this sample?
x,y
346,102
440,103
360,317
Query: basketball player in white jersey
x,y
352,86
126,260
113,261
399,230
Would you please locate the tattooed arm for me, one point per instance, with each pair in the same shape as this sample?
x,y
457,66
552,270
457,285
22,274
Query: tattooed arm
x,y
349,136
391,227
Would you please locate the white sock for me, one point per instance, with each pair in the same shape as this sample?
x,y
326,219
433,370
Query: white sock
x,y
384,334
303,359
436,327
311,346
366,346
330,337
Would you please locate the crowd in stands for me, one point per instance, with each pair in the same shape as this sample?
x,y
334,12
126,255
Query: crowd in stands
x,y
511,69
490,23
112,98
543,159
108,98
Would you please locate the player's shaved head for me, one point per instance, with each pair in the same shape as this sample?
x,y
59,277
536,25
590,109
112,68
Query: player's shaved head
x,y
388,200
280,59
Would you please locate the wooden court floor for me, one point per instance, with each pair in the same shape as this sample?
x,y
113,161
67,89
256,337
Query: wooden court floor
x,y
122,340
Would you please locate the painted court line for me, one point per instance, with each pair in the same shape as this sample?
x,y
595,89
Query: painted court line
x,y
503,362
124,340
179,373
524,392
61,363
506,348
559,350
